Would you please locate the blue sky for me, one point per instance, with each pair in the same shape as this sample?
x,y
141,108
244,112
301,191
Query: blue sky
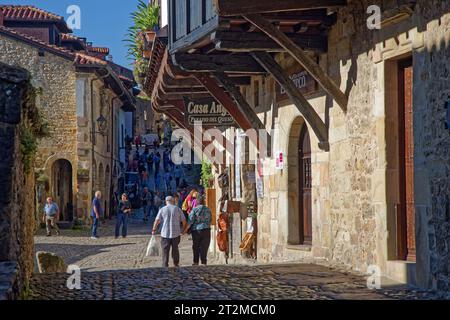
x,y
103,22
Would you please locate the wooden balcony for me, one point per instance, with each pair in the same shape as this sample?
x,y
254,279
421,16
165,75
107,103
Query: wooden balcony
x,y
189,21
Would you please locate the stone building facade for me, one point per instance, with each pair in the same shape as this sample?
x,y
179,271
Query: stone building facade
x,y
355,185
80,93
54,76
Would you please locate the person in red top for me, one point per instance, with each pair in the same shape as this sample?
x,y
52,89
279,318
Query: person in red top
x,y
138,141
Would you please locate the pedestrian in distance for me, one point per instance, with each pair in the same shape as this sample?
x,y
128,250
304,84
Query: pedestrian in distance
x,y
200,228
157,161
171,218
51,216
146,203
178,173
96,213
122,216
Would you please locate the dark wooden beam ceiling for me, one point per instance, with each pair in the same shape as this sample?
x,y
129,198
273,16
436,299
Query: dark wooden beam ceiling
x,y
256,41
222,63
239,7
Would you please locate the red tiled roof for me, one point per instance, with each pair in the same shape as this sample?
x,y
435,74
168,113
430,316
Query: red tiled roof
x,y
78,58
16,12
81,58
35,41
68,37
102,50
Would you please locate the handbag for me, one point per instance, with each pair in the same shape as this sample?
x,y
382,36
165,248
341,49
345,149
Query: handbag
x,y
152,247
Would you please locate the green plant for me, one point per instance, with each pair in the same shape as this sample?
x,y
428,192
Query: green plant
x,y
145,18
28,147
33,127
206,174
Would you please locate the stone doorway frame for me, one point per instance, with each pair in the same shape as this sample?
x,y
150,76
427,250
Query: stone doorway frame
x,y
294,236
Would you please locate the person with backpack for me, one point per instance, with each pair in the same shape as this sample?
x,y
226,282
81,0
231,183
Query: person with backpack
x,y
189,203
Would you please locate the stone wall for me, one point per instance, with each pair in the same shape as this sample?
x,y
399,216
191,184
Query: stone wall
x,y
55,81
353,206
17,187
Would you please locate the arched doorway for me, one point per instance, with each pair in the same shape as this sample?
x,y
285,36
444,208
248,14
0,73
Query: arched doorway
x,y
299,184
305,184
62,188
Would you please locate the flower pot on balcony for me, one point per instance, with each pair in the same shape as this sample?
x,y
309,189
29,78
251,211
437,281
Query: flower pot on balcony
x,y
149,36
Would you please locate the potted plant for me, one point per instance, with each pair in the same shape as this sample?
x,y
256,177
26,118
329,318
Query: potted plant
x,y
142,33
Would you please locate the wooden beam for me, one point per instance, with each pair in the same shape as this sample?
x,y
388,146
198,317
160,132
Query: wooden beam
x,y
230,63
169,82
235,104
307,110
239,7
298,54
256,41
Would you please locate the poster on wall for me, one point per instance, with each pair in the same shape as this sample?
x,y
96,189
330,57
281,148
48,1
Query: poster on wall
x,y
279,160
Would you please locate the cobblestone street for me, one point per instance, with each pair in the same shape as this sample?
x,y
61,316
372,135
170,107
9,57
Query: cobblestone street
x,y
118,269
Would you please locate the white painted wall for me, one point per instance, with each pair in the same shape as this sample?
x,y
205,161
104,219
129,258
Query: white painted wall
x,y
164,13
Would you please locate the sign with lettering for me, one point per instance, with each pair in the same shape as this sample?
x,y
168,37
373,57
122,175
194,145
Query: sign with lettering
x,y
302,80
208,111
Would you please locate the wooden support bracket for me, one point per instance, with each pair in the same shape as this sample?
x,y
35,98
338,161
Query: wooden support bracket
x,y
298,54
307,110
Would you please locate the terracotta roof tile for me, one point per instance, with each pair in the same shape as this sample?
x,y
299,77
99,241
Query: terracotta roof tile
x,y
27,38
102,50
17,12
81,58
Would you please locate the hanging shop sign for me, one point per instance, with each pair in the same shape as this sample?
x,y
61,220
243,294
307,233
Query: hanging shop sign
x,y
302,80
208,111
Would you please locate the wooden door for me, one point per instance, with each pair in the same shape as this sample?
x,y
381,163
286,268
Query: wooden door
x,y
305,187
405,210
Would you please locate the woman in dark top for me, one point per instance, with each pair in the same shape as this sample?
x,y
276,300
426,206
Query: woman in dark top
x,y
122,216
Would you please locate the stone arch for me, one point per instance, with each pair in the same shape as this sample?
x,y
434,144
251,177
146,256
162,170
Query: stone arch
x,y
62,187
298,135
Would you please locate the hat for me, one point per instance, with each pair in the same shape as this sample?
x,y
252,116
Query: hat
x,y
170,199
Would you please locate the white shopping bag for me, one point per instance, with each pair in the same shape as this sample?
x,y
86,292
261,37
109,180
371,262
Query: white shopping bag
x,y
152,248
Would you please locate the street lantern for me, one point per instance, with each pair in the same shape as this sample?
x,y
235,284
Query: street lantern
x,y
102,124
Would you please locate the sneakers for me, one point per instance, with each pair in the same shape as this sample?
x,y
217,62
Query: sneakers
x,y
49,235
94,238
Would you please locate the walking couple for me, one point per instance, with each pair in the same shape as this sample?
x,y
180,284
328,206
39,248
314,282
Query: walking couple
x,y
174,225
124,210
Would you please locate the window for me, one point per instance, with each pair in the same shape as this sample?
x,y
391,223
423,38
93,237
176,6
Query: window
x,y
80,97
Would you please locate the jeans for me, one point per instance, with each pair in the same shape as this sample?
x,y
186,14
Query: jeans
x,y
201,240
146,210
94,227
166,243
51,223
122,219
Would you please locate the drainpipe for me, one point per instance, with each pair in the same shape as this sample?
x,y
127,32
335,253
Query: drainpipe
x,y
111,170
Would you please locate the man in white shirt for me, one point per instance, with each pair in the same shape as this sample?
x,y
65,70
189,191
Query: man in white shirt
x,y
171,217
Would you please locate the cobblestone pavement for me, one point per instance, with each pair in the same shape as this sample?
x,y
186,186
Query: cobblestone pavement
x,y
106,253
117,269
